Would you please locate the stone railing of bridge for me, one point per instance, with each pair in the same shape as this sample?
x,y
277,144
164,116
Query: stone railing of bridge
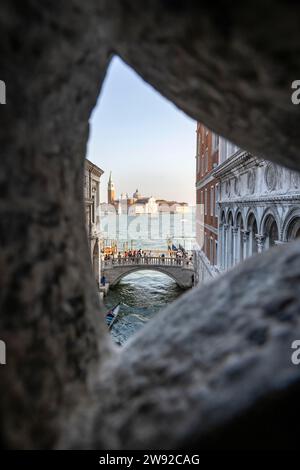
x,y
148,261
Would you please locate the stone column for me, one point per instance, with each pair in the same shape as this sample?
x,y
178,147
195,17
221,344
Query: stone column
x,y
260,242
246,243
229,246
220,251
225,247
235,245
98,263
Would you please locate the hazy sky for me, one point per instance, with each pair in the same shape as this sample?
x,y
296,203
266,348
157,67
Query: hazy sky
x,y
142,138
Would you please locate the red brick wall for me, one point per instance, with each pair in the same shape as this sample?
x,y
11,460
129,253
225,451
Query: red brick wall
x,y
206,157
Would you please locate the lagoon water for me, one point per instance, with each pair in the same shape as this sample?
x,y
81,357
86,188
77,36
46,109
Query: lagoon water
x,y
149,231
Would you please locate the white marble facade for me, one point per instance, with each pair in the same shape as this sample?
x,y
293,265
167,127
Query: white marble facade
x,y
258,206
92,211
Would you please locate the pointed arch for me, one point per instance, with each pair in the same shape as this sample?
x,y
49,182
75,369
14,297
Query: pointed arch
x,y
269,211
291,225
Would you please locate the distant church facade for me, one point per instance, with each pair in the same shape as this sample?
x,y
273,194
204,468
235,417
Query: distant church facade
x,y
138,204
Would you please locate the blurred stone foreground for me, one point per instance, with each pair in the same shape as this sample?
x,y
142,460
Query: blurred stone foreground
x,y
215,369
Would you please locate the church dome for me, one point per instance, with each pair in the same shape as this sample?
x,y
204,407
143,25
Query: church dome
x,y
136,195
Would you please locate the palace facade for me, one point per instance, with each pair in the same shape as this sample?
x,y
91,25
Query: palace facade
x,y
258,207
92,177
245,205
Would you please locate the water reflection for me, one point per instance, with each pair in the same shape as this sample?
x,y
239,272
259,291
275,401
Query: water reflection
x,y
141,295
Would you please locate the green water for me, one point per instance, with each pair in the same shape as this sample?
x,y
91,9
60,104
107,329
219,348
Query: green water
x,y
141,295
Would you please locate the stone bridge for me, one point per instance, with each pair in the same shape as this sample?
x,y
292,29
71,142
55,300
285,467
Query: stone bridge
x,y
181,270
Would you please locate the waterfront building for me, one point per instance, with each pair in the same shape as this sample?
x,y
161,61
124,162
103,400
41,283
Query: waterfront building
x,y
245,204
172,207
207,158
143,205
138,204
92,213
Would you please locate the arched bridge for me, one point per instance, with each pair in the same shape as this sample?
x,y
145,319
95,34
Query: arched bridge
x,y
179,269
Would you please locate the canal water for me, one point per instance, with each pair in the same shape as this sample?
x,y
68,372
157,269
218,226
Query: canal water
x,y
143,293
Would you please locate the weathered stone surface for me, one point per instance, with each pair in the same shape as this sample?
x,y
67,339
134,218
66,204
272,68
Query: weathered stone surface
x,y
49,306
230,67
216,353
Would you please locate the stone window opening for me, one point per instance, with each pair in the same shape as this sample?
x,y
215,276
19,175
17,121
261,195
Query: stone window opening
x,y
217,376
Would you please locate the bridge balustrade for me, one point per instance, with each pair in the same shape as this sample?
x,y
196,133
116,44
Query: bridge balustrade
x,y
147,260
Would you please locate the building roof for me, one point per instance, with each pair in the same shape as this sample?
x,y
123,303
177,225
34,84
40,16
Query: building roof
x,y
94,168
142,200
171,203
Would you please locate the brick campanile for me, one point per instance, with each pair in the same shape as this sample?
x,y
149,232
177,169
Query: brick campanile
x,y
111,193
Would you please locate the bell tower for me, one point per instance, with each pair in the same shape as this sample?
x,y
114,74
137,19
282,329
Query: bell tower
x,y
110,191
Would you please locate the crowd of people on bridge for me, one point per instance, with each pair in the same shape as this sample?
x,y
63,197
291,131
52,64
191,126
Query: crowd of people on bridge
x,y
142,256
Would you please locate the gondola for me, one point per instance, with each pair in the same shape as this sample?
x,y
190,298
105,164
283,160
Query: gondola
x,y
112,315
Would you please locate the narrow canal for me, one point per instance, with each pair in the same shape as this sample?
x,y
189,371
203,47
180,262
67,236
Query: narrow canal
x,y
141,295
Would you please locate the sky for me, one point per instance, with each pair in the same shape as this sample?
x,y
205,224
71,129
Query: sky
x,y
141,137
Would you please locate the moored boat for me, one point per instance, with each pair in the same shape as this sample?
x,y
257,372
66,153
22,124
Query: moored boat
x,y
112,315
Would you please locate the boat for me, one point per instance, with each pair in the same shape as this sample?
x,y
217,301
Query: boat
x,y
112,315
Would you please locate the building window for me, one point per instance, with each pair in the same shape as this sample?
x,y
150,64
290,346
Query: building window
x,y
211,254
206,160
93,210
198,150
215,142
212,205
226,149
222,150
205,202
216,199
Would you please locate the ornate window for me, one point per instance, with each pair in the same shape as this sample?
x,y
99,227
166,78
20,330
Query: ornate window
x,y
271,176
251,182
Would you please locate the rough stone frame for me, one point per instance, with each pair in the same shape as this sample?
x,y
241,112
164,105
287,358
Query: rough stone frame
x,y
217,376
